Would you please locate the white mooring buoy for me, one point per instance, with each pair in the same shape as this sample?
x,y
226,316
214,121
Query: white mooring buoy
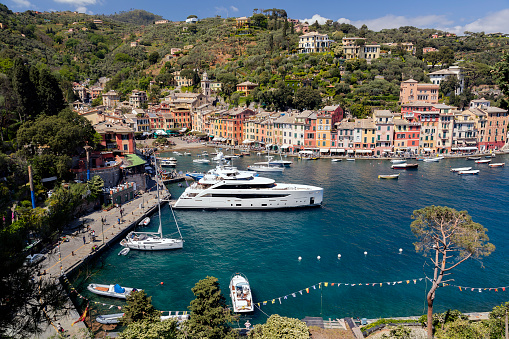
x,y
300,258
365,253
339,256
400,250
318,257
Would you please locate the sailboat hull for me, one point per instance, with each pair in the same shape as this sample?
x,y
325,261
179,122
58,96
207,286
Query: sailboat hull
x,y
152,244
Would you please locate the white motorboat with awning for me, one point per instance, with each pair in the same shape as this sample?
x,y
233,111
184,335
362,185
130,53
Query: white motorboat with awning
x,y
240,293
485,161
471,172
498,164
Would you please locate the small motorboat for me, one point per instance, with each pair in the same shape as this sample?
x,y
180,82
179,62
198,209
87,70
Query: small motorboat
x,y
124,251
265,168
473,158
431,160
398,161
335,160
109,319
388,176
498,164
187,153
240,293
405,166
471,172
459,169
486,161
246,154
350,159
114,291
144,222
201,161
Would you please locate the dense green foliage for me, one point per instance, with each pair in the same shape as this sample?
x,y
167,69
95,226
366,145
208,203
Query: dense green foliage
x,y
209,313
280,327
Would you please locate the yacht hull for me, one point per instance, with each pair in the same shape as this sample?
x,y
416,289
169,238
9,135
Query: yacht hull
x,y
299,196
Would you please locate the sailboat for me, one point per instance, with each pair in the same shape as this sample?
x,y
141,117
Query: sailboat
x,y
154,241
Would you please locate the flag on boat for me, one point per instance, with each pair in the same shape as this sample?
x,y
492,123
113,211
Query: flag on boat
x,y
82,317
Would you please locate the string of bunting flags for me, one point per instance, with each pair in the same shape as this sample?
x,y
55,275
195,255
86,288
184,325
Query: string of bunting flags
x,y
474,289
326,284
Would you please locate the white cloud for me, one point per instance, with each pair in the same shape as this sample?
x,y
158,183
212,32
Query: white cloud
x,y
491,23
77,3
234,9
83,9
22,3
317,17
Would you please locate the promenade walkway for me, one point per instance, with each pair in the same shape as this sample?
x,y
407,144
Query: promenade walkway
x,y
79,246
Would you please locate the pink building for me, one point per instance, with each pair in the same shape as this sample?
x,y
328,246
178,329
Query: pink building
x,y
412,91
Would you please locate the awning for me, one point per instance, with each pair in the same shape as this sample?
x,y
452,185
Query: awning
x,y
132,160
286,146
337,150
363,151
305,152
350,151
247,141
323,150
467,148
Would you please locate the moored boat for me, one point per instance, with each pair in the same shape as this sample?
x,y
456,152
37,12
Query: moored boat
x,y
240,293
108,319
431,160
405,166
114,291
486,161
473,158
498,164
388,176
195,175
124,251
144,222
398,161
201,161
471,172
335,160
458,169
350,159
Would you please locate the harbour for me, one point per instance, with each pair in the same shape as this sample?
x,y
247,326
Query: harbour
x,y
359,214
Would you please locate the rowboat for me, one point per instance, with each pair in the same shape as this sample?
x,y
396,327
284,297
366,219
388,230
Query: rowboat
x,y
473,158
114,291
498,164
388,176
471,172
144,222
459,169
487,161
405,166
109,319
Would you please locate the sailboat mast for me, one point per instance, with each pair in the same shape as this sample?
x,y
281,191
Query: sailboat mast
x,y
160,230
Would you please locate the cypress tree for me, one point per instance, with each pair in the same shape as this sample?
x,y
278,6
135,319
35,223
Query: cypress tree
x,y
24,91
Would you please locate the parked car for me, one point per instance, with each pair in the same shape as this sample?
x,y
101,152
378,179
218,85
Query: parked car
x,y
34,259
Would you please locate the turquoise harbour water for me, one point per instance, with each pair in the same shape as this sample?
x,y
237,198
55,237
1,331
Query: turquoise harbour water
x,y
360,213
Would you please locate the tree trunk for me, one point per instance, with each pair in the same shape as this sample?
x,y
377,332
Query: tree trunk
x,y
430,315
506,327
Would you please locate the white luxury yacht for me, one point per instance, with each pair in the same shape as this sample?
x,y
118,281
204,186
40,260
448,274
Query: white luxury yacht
x,y
229,188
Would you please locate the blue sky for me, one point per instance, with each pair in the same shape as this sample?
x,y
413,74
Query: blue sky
x,y
455,16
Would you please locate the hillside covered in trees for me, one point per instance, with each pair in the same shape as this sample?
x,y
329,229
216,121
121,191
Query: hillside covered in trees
x,y
76,47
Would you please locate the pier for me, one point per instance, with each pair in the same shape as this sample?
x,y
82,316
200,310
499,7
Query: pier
x,y
79,247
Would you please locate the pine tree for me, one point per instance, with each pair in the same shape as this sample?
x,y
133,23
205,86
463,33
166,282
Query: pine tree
x,y
139,307
209,313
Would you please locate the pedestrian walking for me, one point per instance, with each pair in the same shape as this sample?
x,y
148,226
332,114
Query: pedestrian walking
x,y
119,221
84,240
